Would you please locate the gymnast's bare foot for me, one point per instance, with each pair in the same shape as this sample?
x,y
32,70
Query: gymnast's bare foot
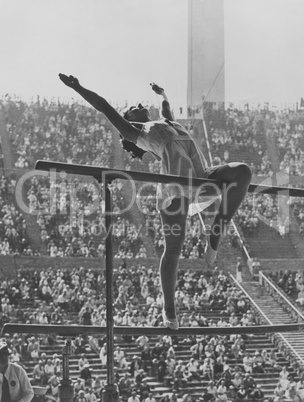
x,y
171,323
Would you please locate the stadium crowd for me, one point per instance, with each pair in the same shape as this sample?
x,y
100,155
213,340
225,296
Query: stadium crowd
x,y
74,133
221,363
13,236
69,133
292,283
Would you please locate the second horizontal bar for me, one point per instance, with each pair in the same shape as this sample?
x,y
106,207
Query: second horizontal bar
x,y
73,331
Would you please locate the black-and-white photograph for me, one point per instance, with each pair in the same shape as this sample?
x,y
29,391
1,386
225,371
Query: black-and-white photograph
x,y
151,201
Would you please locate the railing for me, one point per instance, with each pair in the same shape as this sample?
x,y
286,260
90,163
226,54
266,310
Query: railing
x,y
260,311
246,252
257,308
280,297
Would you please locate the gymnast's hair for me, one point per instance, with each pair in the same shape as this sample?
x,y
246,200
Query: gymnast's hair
x,y
129,146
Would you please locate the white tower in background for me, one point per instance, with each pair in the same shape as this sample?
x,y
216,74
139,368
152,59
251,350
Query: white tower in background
x,y
206,52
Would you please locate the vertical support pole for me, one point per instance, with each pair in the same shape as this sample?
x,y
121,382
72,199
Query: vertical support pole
x,y
109,285
65,389
65,360
110,393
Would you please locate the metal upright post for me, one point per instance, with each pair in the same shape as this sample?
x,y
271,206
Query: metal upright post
x,y
65,389
110,393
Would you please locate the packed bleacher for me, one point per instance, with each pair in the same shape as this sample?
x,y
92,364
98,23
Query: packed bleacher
x,y
65,132
287,126
225,368
237,135
211,368
79,134
265,207
235,131
13,235
292,284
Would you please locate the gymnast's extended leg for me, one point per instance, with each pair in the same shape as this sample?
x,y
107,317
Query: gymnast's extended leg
x,y
238,177
174,227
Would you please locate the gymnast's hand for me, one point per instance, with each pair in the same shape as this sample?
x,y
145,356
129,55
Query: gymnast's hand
x,y
157,89
70,81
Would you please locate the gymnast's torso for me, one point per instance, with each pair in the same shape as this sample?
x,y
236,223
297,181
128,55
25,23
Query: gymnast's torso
x,y
177,152
173,146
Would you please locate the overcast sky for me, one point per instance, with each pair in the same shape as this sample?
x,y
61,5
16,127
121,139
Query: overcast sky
x,y
117,47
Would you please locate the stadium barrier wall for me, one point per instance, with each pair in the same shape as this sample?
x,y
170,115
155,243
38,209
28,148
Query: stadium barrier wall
x,y
10,265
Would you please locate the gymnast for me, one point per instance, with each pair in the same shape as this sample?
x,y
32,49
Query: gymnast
x,y
172,145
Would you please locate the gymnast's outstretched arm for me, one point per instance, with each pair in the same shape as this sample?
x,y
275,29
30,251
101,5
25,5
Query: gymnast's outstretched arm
x,y
126,129
166,110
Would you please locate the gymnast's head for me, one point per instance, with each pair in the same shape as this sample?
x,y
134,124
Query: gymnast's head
x,y
135,114
138,114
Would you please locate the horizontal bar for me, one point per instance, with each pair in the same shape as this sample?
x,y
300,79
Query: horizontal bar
x,y
75,330
111,174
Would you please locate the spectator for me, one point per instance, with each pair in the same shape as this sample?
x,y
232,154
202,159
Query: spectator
x,y
39,375
54,386
192,367
257,394
146,357
249,383
33,348
136,365
237,381
239,269
79,344
133,397
284,375
14,377
119,358
78,386
103,354
144,389
49,369
242,393
85,373
212,389
206,396
279,393
86,317
81,397
258,363
187,398
248,363
124,386
222,391
90,396
161,368
140,377
232,394
82,361
150,398
207,369
15,357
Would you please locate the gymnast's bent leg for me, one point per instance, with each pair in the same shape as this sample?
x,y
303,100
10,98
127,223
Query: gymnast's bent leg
x,y
174,227
237,176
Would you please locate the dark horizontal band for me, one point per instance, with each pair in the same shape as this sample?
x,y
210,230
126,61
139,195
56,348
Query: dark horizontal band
x,y
101,173
75,330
